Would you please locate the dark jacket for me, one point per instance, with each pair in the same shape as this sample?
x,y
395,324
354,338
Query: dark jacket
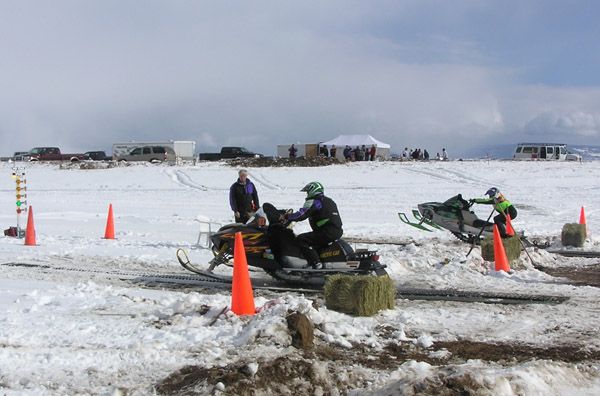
x,y
321,212
243,198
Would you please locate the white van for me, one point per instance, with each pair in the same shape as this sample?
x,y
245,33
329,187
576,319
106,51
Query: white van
x,y
544,151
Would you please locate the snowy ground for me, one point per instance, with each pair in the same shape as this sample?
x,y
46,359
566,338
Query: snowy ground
x,y
65,332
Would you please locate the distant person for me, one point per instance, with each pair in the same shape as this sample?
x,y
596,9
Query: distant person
x,y
415,154
444,155
420,155
355,152
426,155
324,152
365,153
333,151
243,197
373,152
347,153
405,154
293,150
438,156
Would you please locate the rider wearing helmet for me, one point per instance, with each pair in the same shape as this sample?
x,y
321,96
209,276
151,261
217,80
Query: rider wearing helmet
x,y
502,205
324,219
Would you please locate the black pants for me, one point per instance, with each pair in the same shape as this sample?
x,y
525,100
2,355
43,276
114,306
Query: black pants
x,y
243,218
500,220
317,239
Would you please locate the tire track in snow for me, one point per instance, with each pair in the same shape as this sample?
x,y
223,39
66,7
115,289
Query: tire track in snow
x,y
262,180
451,176
183,179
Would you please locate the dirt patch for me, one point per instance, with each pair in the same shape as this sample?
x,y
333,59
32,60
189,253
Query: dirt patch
x,y
329,368
283,162
583,276
508,353
292,375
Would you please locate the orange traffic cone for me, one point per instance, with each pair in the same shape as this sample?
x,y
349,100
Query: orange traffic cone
x,y
500,258
582,216
510,231
242,298
30,232
109,233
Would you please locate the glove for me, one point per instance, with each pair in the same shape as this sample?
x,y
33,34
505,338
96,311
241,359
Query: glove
x,y
237,215
471,202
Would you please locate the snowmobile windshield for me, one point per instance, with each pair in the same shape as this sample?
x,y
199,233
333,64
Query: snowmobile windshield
x,y
457,201
273,214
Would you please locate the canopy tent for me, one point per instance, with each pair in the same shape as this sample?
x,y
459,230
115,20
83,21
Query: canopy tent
x,y
383,149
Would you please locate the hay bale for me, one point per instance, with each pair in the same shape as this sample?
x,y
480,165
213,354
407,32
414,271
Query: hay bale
x,y
573,234
359,295
512,246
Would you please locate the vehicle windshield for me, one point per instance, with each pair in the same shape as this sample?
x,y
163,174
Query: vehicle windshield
x,y
243,150
36,150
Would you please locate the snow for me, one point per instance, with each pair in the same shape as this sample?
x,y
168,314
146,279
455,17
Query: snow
x,y
66,332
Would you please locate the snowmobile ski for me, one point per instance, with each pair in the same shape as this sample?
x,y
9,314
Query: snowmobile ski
x,y
185,262
405,220
425,220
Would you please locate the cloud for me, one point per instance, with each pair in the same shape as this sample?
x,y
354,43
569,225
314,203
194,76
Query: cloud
x,y
577,123
85,75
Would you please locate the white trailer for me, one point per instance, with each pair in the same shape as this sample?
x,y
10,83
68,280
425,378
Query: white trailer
x,y
184,149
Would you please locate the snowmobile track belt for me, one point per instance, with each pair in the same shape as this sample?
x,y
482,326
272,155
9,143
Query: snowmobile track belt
x,y
576,253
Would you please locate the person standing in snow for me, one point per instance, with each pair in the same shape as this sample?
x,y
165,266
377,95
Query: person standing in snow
x,y
293,150
373,152
333,151
444,155
243,197
405,154
502,205
325,222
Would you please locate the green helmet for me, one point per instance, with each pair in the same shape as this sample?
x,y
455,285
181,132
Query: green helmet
x,y
313,189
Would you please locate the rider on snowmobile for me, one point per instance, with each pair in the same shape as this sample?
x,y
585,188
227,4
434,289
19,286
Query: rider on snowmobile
x,y
502,205
324,219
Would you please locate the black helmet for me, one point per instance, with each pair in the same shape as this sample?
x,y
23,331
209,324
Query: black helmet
x,y
493,192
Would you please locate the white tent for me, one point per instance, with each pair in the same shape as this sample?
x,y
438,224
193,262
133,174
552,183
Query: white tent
x,y
383,149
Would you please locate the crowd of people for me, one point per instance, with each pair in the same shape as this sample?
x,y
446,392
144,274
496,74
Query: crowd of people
x,y
359,153
363,153
422,155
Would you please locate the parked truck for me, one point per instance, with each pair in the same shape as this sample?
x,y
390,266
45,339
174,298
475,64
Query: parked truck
x,y
50,154
227,153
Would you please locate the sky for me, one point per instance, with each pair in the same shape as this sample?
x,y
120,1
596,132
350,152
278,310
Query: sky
x,y
82,75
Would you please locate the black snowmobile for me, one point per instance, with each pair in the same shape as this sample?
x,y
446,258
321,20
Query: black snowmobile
x,y
454,215
274,249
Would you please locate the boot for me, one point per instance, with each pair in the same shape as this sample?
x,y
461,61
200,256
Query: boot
x,y
311,257
502,230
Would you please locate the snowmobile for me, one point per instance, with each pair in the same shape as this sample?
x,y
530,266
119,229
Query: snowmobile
x,y
274,249
456,216
453,215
